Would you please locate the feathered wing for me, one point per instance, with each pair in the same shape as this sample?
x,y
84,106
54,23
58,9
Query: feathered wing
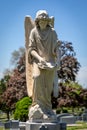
x,y
29,25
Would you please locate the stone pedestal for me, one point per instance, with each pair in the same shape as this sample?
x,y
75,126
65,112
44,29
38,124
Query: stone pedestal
x,y
22,125
45,126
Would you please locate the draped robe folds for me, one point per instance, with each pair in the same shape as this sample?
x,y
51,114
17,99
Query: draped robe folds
x,y
45,44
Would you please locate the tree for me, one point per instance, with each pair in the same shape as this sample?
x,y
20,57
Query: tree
x,y
3,83
69,65
69,95
21,111
16,55
16,88
83,98
15,91
3,87
7,72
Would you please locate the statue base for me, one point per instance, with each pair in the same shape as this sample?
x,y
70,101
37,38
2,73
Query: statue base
x,y
41,118
45,126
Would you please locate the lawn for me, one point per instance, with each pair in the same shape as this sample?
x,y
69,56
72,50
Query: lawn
x,y
80,126
1,128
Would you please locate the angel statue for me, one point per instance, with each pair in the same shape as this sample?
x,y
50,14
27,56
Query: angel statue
x,y
42,49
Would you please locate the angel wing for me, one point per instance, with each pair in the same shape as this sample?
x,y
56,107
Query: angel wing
x,y
29,25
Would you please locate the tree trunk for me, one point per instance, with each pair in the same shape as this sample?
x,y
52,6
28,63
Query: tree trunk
x,y
8,117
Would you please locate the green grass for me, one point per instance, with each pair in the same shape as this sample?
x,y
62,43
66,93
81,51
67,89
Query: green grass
x,y
1,128
3,115
82,127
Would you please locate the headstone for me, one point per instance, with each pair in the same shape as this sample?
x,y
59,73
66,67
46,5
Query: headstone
x,y
1,124
78,118
14,125
68,119
62,115
84,117
7,125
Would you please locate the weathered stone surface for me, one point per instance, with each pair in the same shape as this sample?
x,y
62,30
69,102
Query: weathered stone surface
x,y
68,119
42,126
12,125
38,113
84,115
41,64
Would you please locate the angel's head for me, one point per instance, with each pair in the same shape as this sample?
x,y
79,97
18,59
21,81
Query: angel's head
x,y
42,19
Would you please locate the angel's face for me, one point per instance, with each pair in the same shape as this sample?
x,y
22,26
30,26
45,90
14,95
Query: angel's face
x,y
43,24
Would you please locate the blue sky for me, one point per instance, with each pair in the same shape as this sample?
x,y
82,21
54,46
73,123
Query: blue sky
x,y
70,25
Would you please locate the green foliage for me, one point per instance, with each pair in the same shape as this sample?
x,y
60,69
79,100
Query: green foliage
x,y
21,111
58,110
3,87
80,126
73,84
64,110
3,83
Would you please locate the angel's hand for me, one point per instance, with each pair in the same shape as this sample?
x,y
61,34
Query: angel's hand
x,y
41,60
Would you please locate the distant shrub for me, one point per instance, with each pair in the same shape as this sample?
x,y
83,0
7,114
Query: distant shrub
x,y
58,111
64,110
21,111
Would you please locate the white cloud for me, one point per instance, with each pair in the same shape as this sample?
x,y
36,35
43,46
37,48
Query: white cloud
x,y
82,76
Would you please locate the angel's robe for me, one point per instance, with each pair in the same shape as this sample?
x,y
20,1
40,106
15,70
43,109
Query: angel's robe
x,y
45,44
